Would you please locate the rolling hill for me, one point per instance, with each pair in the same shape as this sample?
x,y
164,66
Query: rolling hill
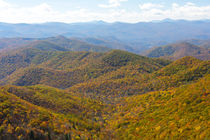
x,y
179,50
58,43
113,44
138,35
49,91
41,112
179,113
6,43
198,42
133,80
73,44
30,66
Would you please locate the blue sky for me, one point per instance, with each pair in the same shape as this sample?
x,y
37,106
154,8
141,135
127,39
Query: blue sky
x,y
39,11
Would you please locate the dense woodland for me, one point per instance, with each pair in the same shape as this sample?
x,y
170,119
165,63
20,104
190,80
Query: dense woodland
x,y
195,48
51,92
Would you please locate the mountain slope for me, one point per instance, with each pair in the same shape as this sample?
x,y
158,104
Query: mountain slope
x,y
179,50
58,43
11,61
43,45
179,113
133,80
6,43
76,45
35,53
65,69
101,95
41,112
201,43
111,43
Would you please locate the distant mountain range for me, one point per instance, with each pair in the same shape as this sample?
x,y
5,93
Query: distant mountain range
x,y
82,81
138,36
195,47
58,43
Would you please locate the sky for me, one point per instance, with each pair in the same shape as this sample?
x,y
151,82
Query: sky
x,y
132,11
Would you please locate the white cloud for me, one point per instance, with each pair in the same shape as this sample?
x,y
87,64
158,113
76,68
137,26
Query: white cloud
x,y
15,14
147,12
189,11
148,6
112,3
4,4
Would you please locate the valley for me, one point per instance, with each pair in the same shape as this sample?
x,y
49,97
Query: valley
x,y
105,70
50,90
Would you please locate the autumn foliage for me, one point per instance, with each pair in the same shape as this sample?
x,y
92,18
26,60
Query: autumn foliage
x,y
55,94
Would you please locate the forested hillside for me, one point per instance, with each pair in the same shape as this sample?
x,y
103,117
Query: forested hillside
x,y
50,91
134,80
58,43
179,113
30,66
41,112
179,50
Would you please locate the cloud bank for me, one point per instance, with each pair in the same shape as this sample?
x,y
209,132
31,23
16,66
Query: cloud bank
x,y
112,3
147,12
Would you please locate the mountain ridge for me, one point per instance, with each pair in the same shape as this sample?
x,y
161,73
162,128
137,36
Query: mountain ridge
x,y
179,50
138,35
48,92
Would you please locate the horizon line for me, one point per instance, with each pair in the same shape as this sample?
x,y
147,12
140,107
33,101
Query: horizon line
x,y
102,21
